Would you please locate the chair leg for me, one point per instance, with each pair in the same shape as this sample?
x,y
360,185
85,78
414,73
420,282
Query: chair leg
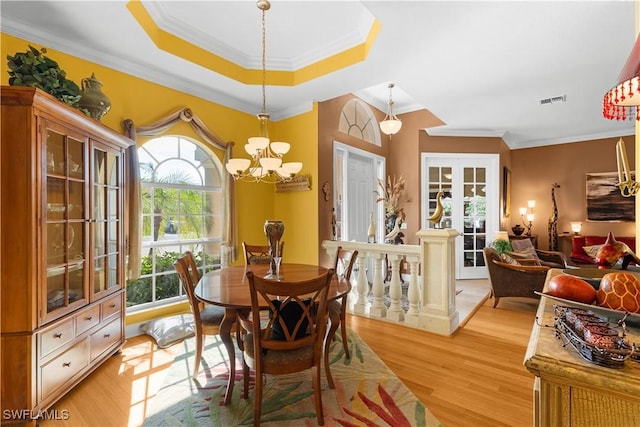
x,y
199,345
343,328
257,404
317,392
245,379
327,368
495,301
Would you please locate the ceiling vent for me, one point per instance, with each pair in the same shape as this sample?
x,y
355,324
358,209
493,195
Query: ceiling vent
x,y
553,100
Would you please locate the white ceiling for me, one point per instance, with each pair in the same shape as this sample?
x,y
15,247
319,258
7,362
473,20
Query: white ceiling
x,y
480,66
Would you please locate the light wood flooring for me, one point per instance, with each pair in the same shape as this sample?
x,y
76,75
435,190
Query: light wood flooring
x,y
474,378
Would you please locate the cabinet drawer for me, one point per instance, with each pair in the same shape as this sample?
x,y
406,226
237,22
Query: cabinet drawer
x,y
104,338
55,337
87,320
111,306
64,367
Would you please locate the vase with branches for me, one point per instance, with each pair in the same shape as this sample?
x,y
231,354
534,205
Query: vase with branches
x,y
391,194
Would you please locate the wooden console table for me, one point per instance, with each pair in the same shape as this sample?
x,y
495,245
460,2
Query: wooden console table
x,y
568,390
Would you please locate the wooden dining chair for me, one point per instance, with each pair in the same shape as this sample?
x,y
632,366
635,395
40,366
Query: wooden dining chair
x,y
343,266
292,339
259,254
193,268
207,318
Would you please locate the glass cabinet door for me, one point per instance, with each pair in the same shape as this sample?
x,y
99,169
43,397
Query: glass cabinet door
x,y
64,235
107,175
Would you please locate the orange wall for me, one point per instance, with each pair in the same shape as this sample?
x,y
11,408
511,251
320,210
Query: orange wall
x,y
534,170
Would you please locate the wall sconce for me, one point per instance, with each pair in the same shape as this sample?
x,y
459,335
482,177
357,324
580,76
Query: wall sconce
x,y
576,227
528,215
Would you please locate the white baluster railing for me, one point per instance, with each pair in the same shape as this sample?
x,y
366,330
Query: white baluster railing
x,y
428,309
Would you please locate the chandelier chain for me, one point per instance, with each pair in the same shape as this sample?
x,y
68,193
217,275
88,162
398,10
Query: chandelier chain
x,y
264,62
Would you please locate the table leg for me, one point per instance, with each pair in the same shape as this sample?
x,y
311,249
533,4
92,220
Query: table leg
x,y
228,321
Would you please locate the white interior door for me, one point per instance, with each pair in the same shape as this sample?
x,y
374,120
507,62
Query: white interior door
x,y
356,176
470,183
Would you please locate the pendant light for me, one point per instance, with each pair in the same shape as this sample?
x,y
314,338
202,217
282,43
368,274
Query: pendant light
x,y
391,124
265,162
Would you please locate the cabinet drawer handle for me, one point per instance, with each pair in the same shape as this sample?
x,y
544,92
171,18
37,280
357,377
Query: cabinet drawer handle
x,y
113,306
58,335
66,364
107,335
89,318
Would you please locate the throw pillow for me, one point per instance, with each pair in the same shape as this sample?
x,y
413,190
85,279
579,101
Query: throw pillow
x,y
170,330
291,314
525,247
507,259
592,251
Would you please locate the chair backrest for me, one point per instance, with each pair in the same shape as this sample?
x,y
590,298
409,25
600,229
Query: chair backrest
x,y
297,312
344,262
182,268
193,268
259,254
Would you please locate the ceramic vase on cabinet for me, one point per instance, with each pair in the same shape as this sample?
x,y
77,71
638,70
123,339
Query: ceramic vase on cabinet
x,y
274,229
92,99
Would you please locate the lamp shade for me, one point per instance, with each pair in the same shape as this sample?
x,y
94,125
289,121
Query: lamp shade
x,y
620,102
576,227
502,235
390,127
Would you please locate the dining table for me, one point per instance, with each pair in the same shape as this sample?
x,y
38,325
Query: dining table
x,y
229,288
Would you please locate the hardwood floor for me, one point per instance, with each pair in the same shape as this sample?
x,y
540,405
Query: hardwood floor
x,y
475,378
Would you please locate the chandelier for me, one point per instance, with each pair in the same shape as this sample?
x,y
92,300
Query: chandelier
x,y
265,164
391,124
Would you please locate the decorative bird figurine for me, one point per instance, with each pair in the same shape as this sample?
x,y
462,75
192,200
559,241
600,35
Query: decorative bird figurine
x,y
394,232
437,214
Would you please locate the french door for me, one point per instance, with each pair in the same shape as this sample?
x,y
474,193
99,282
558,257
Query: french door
x,y
470,186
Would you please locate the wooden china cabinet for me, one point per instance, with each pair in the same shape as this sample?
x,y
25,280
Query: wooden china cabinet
x,y
62,249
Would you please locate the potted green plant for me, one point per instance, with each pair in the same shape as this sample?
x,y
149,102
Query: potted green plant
x,y
32,68
502,246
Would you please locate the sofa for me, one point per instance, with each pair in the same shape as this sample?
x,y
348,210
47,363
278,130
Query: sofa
x,y
586,257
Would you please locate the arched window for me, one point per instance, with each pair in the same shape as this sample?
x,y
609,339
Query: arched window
x,y
358,120
182,209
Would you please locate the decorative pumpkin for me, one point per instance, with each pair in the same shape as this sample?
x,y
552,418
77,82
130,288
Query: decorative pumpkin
x,y
571,288
619,291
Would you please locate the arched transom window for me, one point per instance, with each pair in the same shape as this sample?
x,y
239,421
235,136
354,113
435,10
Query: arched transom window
x,y
357,120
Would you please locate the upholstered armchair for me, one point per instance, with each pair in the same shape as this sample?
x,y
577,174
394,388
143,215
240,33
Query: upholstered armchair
x,y
511,280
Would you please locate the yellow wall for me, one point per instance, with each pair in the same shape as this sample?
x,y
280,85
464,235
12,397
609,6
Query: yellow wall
x,y
145,103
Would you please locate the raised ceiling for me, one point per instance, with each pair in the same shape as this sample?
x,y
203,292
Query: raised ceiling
x,y
481,67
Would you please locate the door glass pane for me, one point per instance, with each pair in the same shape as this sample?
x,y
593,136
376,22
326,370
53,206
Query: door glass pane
x,y
99,238
99,167
76,200
113,271
75,156
474,188
99,275
76,280
56,205
440,180
113,236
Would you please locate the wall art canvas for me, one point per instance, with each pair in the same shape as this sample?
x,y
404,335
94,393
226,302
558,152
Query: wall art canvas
x,y
604,201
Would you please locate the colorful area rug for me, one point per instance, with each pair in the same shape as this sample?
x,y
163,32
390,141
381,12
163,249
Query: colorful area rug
x,y
367,393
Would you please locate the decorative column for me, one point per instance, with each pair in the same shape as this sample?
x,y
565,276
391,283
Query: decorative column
x,y
361,305
438,312
377,309
413,293
396,311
